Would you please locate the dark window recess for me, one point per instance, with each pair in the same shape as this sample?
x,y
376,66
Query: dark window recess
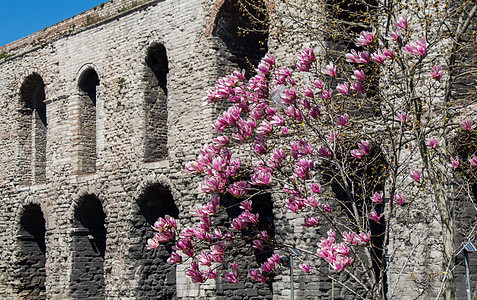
x,y
243,27
245,257
157,277
88,249
32,131
88,83
155,79
30,266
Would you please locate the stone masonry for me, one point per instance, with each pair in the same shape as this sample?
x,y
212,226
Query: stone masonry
x,y
99,114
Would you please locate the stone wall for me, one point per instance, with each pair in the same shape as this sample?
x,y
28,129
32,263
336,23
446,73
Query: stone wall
x,y
100,112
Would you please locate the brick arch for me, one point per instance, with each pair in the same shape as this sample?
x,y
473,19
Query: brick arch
x,y
210,26
85,67
25,74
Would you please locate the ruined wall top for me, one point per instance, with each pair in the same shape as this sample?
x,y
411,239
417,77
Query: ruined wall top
x,y
95,16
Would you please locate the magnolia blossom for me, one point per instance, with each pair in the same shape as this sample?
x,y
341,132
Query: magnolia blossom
x,y
466,124
307,57
399,199
415,175
342,120
358,57
310,222
433,142
403,118
358,75
377,198
436,72
306,268
375,217
329,70
358,86
454,164
473,161
418,48
365,38
394,36
402,22
343,88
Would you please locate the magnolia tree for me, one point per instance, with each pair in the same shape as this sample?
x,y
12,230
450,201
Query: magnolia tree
x,y
357,146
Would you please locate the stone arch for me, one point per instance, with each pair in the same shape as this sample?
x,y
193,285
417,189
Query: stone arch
x,y
156,278
155,99
241,28
29,269
88,249
247,259
87,84
32,130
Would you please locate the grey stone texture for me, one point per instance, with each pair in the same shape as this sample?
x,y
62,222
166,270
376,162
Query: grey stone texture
x,y
99,114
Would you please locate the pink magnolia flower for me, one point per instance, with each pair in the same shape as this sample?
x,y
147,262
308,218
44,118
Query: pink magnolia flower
x,y
318,84
329,70
466,124
323,152
358,57
306,268
377,198
174,259
436,73
239,189
310,222
326,94
433,142
375,217
343,88
152,243
315,188
262,176
350,238
358,86
315,112
418,48
403,118
399,199
312,201
326,207
378,57
454,164
307,57
256,274
358,75
415,175
195,274
257,244
394,36
473,161
402,22
364,237
342,120
357,153
388,53
365,38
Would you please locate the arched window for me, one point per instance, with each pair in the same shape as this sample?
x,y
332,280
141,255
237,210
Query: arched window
x,y
88,249
87,85
32,130
263,205
157,277
155,79
243,27
30,271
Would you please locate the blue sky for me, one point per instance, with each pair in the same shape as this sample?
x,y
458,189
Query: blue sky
x,y
19,18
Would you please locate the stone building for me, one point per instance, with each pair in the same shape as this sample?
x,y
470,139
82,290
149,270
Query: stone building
x,y
100,113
